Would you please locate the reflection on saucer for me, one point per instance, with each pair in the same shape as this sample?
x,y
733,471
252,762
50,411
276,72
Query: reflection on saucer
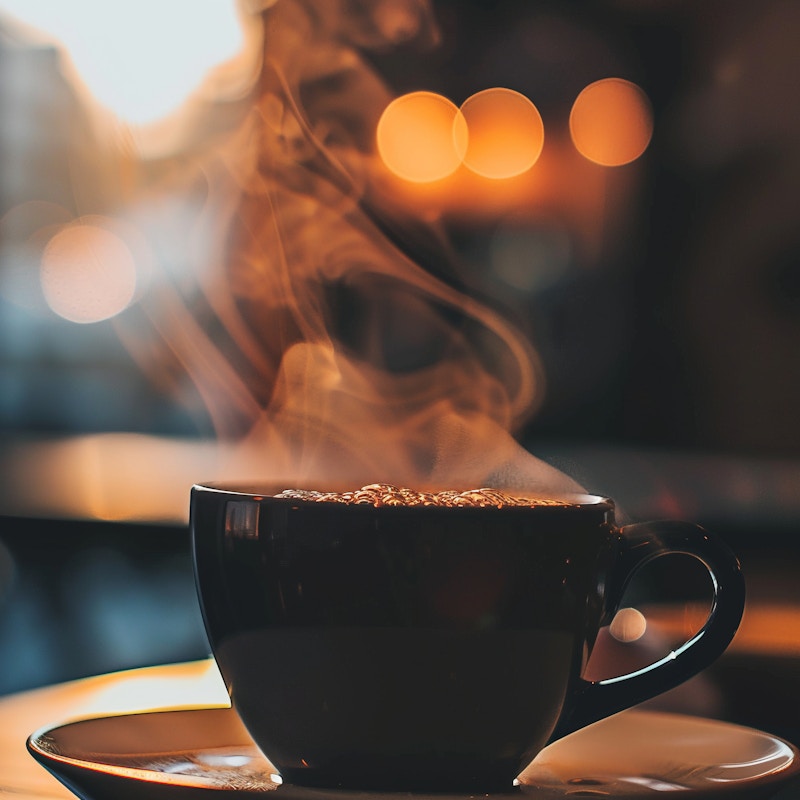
x,y
641,753
634,754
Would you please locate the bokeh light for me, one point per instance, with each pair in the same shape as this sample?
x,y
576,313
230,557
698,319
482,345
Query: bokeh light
x,y
611,122
422,137
506,133
88,273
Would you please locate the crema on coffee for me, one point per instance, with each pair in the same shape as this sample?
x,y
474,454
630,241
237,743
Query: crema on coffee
x,y
384,494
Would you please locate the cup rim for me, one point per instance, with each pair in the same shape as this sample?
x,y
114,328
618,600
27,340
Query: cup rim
x,y
265,492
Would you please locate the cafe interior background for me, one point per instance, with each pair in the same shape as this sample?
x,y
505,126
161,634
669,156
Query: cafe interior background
x,y
157,160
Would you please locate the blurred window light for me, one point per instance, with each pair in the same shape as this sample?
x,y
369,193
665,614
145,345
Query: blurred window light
x,y
141,60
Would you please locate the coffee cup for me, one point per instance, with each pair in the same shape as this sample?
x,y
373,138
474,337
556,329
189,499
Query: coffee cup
x,y
396,640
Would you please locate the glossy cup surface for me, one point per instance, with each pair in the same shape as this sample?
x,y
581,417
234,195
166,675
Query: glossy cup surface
x,y
399,647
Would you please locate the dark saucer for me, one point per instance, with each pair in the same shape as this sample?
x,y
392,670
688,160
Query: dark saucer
x,y
169,755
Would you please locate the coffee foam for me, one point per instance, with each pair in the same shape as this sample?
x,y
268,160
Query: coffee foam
x,y
384,494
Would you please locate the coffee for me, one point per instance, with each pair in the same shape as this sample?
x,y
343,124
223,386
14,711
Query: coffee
x,y
384,494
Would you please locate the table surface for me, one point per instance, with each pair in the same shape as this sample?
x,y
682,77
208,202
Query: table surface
x,y
172,686
152,688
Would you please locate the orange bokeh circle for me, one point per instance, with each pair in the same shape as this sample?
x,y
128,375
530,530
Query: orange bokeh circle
x,y
506,133
422,137
611,122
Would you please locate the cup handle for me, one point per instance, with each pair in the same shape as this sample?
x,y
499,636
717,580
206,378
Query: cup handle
x,y
640,544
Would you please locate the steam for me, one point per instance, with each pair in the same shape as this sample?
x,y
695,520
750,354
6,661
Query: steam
x,y
325,352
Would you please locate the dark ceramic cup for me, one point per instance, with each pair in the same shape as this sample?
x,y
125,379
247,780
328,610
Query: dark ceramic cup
x,y
428,648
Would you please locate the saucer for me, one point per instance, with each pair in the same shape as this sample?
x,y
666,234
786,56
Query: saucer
x,y
166,755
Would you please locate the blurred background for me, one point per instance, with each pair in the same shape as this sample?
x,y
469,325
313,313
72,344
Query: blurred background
x,y
653,264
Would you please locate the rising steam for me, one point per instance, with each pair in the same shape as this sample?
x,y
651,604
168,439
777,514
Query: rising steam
x,y
322,347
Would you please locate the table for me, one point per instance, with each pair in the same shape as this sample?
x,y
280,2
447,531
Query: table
x,y
171,686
